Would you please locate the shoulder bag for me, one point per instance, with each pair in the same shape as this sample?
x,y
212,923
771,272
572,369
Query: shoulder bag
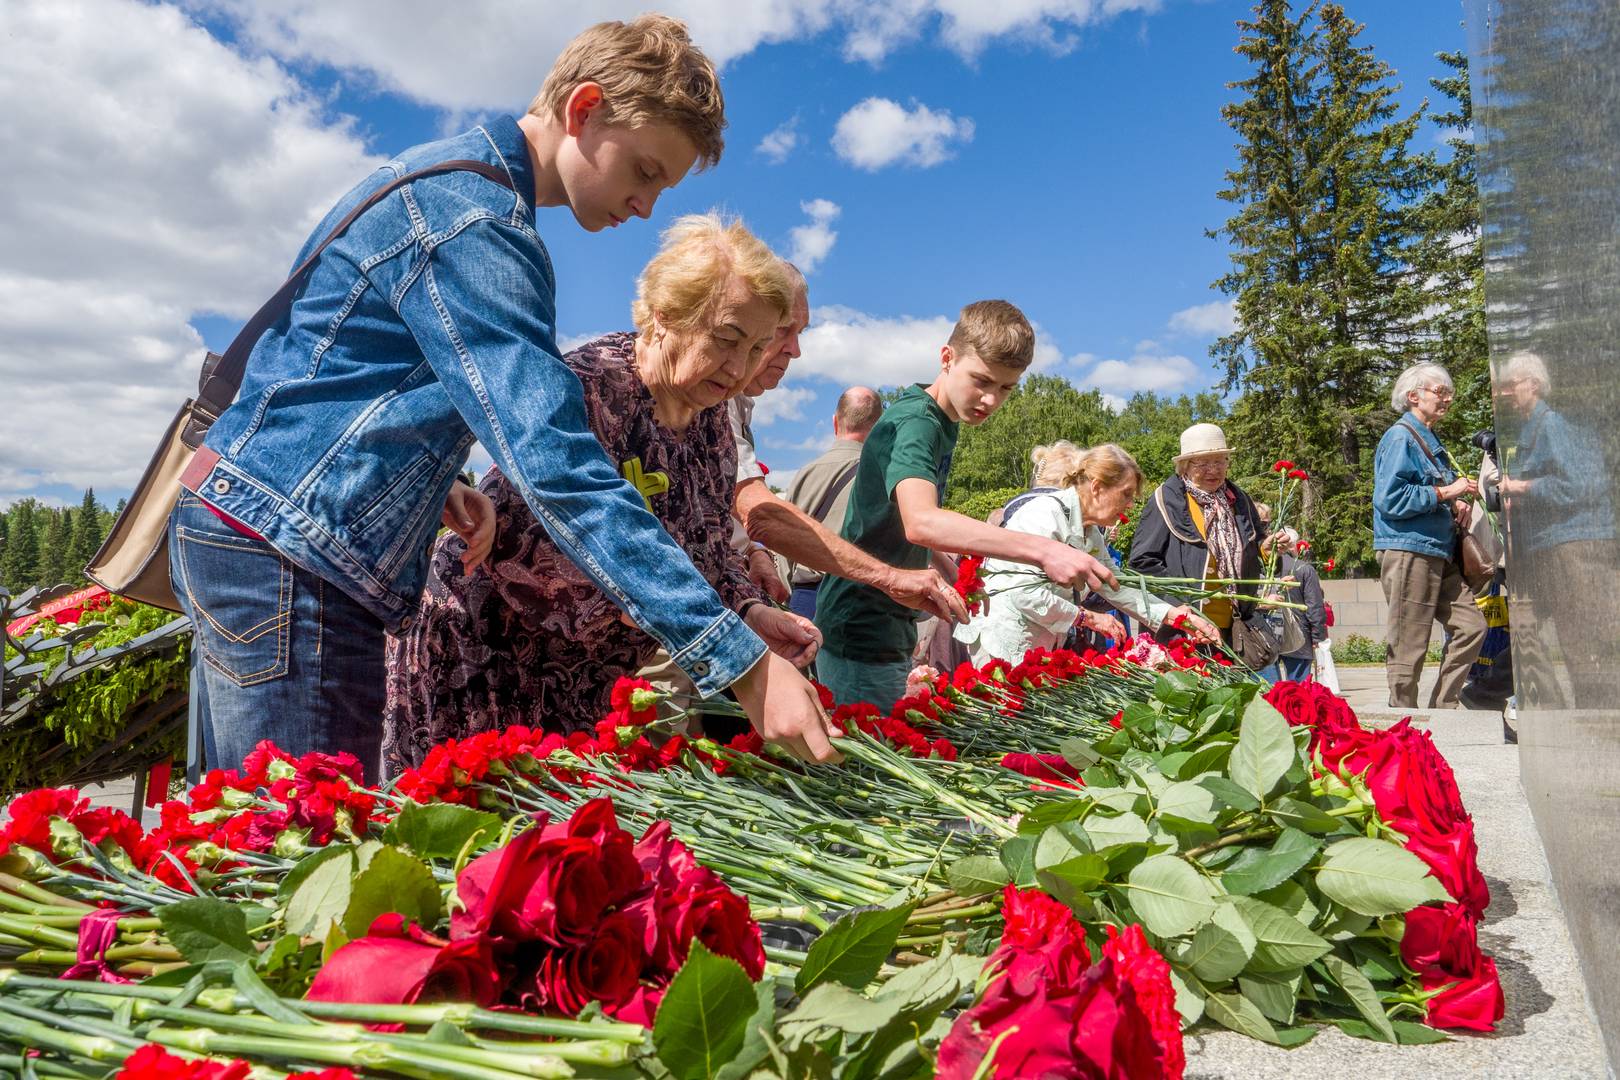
x,y
134,560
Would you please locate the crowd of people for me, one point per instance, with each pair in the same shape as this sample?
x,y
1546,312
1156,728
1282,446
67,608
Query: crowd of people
x,y
626,526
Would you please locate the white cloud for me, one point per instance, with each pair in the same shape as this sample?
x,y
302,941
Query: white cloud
x,y
814,242
848,347
782,403
1214,319
780,141
152,175
487,54
879,132
1143,372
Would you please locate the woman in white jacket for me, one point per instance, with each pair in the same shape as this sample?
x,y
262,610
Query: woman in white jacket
x,y
1077,494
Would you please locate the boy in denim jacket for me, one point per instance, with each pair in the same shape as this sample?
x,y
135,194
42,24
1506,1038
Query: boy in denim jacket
x,y
301,537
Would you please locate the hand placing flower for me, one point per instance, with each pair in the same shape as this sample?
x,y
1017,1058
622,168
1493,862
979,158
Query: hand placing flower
x,y
1099,622
792,637
1194,625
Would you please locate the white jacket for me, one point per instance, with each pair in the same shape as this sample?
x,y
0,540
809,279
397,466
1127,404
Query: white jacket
x,y
1033,612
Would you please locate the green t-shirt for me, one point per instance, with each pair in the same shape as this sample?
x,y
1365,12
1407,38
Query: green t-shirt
x,y
913,438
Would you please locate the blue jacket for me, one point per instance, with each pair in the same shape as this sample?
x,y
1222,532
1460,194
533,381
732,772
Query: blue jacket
x,y
1567,499
429,324
1407,515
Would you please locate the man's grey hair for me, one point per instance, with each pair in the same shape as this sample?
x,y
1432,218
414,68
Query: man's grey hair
x,y
1527,365
1415,378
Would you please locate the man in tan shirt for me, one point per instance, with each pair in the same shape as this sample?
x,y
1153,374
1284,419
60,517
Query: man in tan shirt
x,y
821,487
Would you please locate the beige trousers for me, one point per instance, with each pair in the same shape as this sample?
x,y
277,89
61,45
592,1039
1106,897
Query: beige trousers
x,y
1421,589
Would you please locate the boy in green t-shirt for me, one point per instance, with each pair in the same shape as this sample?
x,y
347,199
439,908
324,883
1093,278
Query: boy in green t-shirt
x,y
895,514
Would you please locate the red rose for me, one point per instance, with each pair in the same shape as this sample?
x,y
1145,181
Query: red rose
x,y
1441,944
687,901
597,822
1474,1004
398,963
1049,767
532,889
1141,966
605,969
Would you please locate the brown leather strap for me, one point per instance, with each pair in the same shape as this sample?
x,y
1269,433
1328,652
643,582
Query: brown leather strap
x,y
222,375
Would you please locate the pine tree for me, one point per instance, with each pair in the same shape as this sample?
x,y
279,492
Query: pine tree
x,y
55,549
87,532
19,564
1330,301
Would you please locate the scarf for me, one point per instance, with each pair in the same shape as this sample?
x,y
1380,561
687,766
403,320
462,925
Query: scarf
x,y
1220,531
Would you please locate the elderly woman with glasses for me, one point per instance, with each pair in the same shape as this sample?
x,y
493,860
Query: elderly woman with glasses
x,y
1418,495
1198,524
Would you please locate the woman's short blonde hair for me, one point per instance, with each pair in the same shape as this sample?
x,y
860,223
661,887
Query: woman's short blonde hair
x,y
1063,464
697,258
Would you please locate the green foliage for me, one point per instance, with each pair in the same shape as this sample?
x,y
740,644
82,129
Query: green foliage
x,y
979,504
19,562
45,546
1044,409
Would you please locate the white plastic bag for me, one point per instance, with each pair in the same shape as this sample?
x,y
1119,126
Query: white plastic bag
x,y
1326,673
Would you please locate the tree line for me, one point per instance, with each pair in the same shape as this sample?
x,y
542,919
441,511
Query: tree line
x,y
48,545
1355,252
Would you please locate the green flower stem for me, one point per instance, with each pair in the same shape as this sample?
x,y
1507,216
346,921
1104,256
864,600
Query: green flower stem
x,y
788,957
19,887
952,916
14,1064
1264,832
423,1064
33,930
864,750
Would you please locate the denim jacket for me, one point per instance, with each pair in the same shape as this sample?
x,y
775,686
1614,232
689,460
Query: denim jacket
x,y
430,323
1407,515
1567,497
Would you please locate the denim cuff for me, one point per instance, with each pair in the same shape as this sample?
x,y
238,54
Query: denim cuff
x,y
725,652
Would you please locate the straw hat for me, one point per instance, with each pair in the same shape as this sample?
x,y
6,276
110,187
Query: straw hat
x,y
1201,440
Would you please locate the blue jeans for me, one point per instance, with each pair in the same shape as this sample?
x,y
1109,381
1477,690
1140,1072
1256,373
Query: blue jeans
x,y
278,653
803,601
853,681
1291,668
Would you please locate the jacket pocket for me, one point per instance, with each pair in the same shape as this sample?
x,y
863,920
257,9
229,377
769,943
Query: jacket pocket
x,y
241,598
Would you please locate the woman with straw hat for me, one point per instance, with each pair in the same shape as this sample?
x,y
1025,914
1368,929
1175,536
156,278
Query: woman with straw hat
x,y
1197,524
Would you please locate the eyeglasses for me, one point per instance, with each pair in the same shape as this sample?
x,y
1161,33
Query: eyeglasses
x,y
1441,393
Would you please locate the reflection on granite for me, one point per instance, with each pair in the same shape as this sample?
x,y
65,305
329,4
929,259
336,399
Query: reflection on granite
x,y
1546,86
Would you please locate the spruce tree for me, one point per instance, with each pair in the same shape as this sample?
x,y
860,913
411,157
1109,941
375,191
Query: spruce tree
x,y
1330,300
55,549
87,532
19,563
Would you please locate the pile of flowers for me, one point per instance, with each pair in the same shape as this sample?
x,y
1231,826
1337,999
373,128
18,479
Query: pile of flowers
x,y
563,915
1416,794
970,583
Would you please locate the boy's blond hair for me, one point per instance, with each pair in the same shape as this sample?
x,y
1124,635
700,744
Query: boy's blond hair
x,y
996,332
696,260
650,73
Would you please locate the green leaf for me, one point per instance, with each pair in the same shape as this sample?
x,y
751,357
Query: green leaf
x,y
1282,942
1411,1034
205,929
394,882
1107,830
1292,898
1113,798
441,830
1078,752
702,1022
927,987
1221,948
1290,812
1169,896
832,1006
1259,869
321,899
1241,1015
1189,801
1059,844
1018,856
1374,877
1209,758
1265,749
1229,793
1289,1038
1068,881
1362,994
306,866
1189,998
1275,996
754,1049
262,998
853,948
1170,764
975,874
1046,814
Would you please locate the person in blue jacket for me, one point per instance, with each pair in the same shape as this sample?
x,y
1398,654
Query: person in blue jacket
x,y
302,533
1417,501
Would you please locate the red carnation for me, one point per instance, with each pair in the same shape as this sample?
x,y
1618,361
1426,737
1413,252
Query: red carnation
x,y
1282,465
1328,566
1298,474
1149,975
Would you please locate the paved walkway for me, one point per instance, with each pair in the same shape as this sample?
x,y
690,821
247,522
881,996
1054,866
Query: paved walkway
x,y
1549,1031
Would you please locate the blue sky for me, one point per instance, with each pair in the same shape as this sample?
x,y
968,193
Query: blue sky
x,y
1082,191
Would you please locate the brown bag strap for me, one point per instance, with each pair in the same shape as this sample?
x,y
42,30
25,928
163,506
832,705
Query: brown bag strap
x,y
1423,446
222,375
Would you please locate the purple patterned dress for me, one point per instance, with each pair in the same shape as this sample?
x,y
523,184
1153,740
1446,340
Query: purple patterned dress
x,y
528,639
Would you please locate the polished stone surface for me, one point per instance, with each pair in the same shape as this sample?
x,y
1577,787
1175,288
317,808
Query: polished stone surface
x,y
1546,88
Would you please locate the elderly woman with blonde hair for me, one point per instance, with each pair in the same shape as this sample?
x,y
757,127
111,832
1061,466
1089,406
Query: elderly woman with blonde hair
x,y
1077,495
528,638
1418,496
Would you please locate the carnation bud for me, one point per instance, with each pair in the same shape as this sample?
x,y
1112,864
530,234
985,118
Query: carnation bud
x,y
641,700
280,770
289,843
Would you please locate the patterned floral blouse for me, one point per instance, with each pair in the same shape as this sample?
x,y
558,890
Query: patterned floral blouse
x,y
527,638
